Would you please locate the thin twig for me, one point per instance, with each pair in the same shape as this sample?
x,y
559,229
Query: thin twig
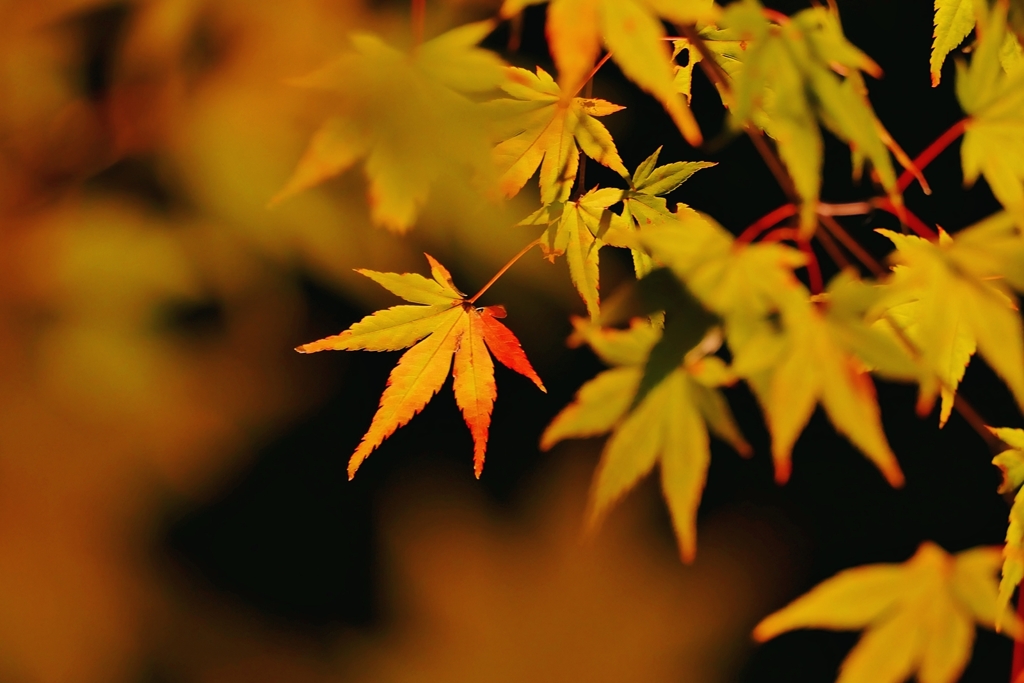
x,y
813,267
512,261
931,151
593,72
852,246
773,162
847,209
581,176
834,252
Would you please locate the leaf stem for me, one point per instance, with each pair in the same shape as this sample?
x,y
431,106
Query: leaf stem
x,y
931,151
512,261
593,72
581,176
419,20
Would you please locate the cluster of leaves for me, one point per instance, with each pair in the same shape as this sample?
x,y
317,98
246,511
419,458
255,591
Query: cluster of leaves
x,y
706,296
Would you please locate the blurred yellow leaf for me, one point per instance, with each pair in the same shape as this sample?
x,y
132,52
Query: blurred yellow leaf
x,y
918,617
407,115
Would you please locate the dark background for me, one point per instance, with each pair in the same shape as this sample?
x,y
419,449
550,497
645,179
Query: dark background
x,y
294,539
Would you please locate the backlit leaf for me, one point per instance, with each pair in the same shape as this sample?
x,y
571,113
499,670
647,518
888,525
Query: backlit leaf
x,y
437,332
408,116
574,229
954,20
789,80
1011,463
947,298
918,617
543,128
632,31
993,143
668,427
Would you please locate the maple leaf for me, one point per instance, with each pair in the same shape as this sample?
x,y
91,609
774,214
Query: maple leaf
x,y
993,143
1011,463
791,353
633,32
918,617
541,127
789,82
812,360
730,279
668,427
573,229
643,202
954,20
949,299
445,324
407,115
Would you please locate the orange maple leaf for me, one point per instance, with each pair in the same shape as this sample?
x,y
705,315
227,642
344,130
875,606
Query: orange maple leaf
x,y
446,324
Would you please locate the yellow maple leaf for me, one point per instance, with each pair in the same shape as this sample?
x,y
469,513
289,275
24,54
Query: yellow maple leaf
x,y
668,427
632,31
573,229
918,617
1011,463
993,143
793,353
541,127
407,115
952,297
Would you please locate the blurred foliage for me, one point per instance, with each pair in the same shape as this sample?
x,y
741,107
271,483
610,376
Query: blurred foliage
x,y
149,302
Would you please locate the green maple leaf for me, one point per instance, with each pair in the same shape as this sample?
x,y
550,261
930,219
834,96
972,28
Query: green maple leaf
x,y
407,116
993,143
542,128
669,427
918,617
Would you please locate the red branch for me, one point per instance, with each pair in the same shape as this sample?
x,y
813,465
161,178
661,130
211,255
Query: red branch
x,y
1017,668
928,155
920,228
813,268
765,222
593,72
419,20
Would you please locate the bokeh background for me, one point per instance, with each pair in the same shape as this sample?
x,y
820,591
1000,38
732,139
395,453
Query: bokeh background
x,y
173,499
